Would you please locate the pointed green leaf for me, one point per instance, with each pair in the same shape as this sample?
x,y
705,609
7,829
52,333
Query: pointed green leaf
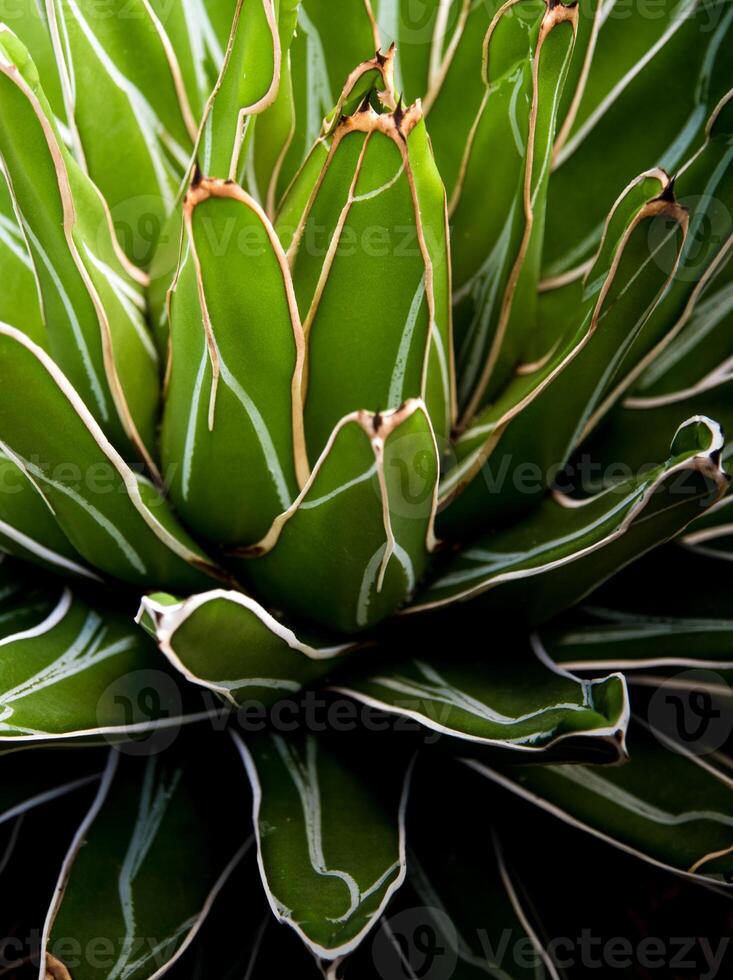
x,y
665,807
567,547
370,265
248,84
122,880
500,101
331,842
92,303
227,642
322,564
517,445
233,425
525,704
116,520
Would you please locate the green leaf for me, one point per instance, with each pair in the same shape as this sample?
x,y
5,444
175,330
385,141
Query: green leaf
x,y
116,520
28,527
499,100
233,425
331,842
653,79
567,547
91,298
227,642
665,807
523,703
131,124
199,33
121,881
84,672
28,20
247,85
348,575
370,265
528,433
670,610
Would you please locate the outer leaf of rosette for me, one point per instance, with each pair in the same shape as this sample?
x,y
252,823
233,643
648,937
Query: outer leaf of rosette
x,y
91,296
517,445
232,432
356,543
568,546
114,518
371,271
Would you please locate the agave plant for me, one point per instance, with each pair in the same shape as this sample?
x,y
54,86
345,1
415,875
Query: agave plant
x,y
350,352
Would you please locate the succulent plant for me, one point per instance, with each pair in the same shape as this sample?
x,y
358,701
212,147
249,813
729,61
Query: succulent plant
x,y
364,374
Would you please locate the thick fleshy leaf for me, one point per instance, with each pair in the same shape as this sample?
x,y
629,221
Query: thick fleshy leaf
x,y
500,100
131,123
233,424
85,673
226,642
121,881
331,841
92,304
654,79
568,546
28,527
516,446
524,703
666,807
320,563
116,520
370,263
670,610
